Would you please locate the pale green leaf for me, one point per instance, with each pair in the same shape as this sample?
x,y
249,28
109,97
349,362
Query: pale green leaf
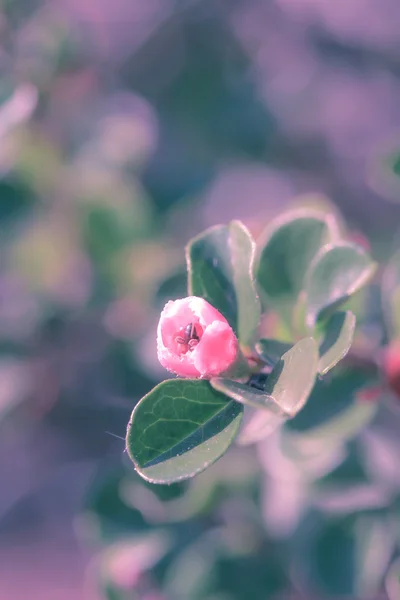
x,y
292,379
284,392
338,338
337,272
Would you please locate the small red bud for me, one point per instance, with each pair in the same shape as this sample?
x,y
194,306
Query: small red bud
x,y
391,366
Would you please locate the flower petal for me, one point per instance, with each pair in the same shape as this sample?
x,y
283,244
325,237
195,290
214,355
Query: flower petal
x,y
217,349
182,366
217,345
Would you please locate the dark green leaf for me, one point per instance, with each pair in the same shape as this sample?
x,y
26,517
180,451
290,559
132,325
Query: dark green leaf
x,y
210,271
290,245
337,272
338,338
180,428
249,309
270,351
220,264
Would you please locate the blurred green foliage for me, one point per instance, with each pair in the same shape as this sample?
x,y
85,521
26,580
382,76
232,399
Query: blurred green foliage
x,y
120,123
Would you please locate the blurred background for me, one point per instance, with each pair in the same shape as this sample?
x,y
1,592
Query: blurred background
x,y
126,127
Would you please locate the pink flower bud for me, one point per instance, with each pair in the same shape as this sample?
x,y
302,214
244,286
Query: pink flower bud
x,y
194,339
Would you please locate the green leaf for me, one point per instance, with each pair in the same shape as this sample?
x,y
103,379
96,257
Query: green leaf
x,y
180,428
285,393
391,295
292,379
249,308
271,351
338,338
220,267
290,244
337,272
